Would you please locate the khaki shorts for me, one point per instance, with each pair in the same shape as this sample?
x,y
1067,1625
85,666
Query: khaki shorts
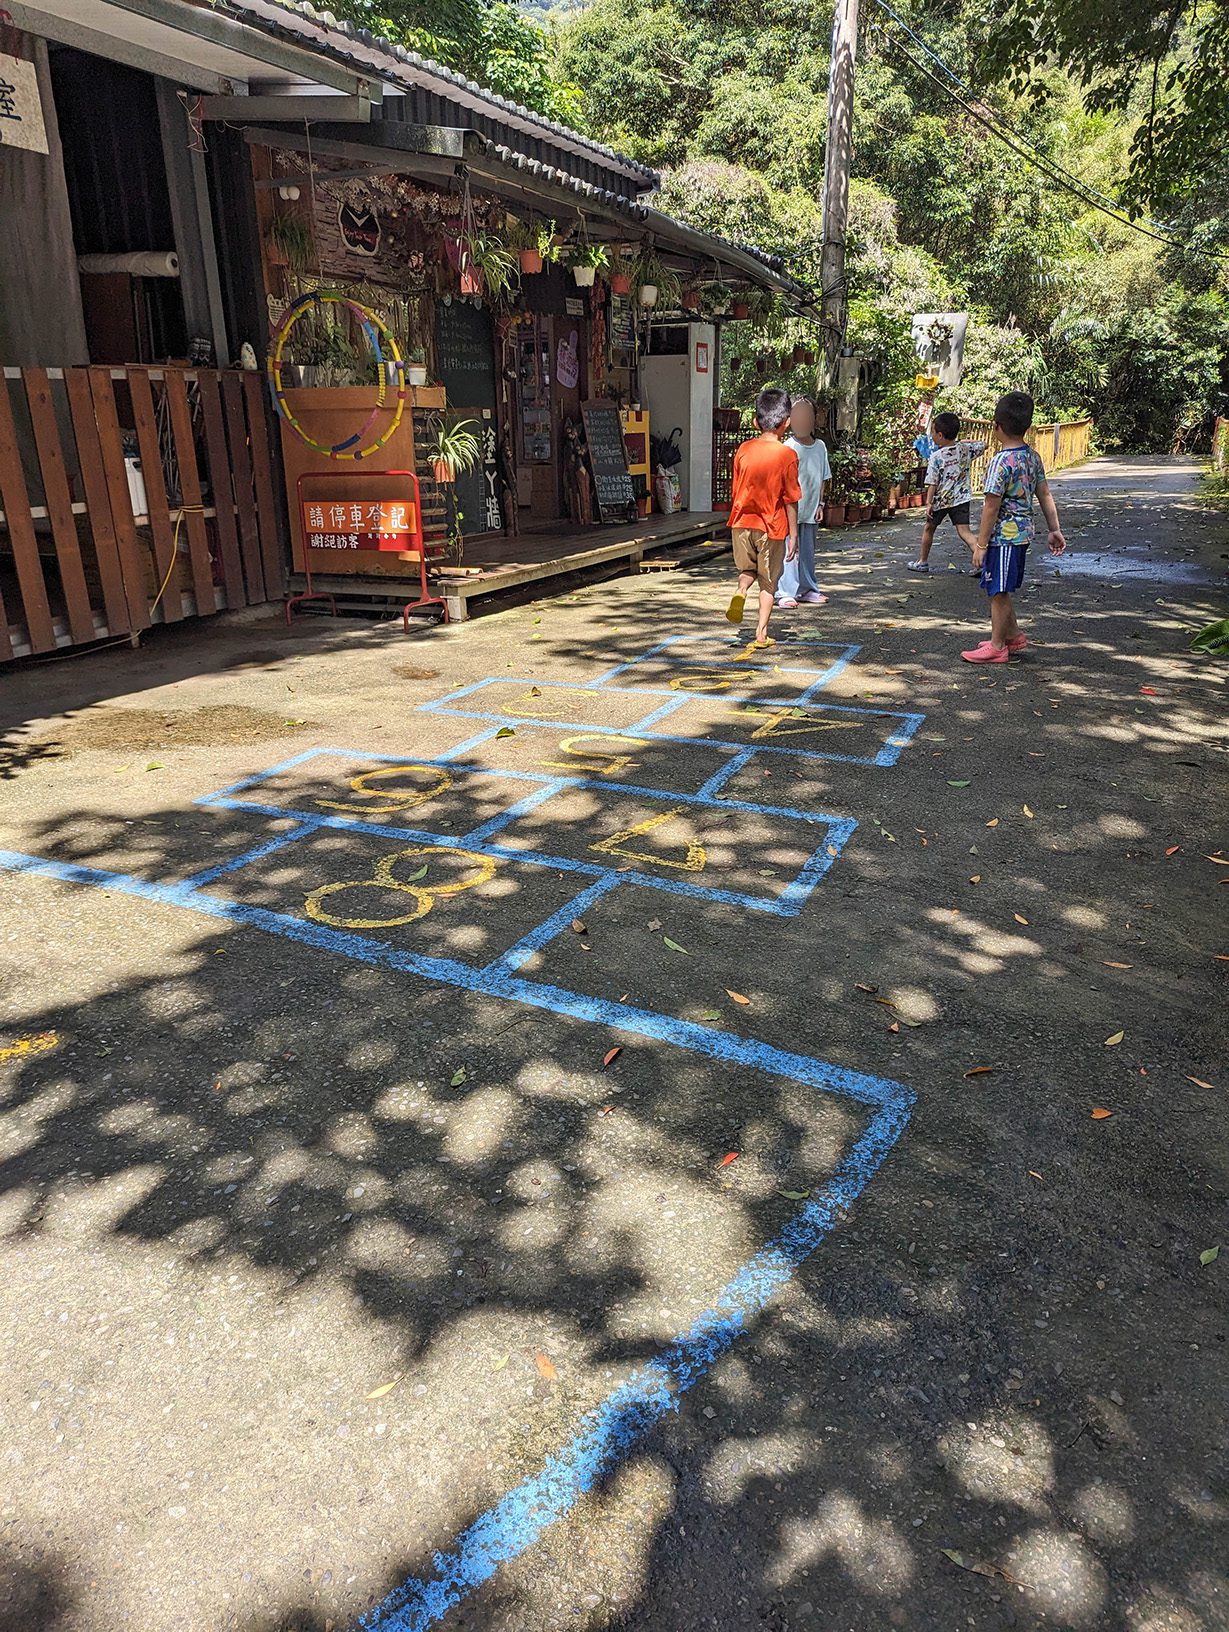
x,y
755,552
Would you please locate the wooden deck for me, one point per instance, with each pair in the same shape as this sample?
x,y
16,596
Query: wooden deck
x,y
493,566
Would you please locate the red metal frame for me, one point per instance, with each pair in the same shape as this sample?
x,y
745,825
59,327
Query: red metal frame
x,y
418,543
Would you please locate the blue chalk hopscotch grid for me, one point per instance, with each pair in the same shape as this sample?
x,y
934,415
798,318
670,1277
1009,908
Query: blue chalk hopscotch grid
x,y
609,1432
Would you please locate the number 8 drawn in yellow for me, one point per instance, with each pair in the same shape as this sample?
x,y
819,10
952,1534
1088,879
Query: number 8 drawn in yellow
x,y
382,878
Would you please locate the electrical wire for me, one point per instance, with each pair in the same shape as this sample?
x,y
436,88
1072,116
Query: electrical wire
x,y
1162,226
1032,156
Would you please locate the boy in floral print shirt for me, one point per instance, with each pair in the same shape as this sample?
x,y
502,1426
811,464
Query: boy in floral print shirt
x,y
1016,476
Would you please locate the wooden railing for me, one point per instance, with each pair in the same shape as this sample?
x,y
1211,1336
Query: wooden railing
x,y
131,496
1060,444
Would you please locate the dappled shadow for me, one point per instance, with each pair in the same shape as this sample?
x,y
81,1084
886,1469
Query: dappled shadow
x,y
310,1257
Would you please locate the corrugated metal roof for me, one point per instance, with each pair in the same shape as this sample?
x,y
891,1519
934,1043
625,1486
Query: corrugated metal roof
x,y
383,59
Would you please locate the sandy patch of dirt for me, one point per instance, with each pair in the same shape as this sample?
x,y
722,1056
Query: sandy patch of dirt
x,y
206,727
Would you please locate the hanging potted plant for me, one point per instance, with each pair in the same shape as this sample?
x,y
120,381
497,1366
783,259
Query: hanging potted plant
x,y
488,267
741,309
534,244
290,240
691,300
621,269
586,261
416,366
453,447
655,282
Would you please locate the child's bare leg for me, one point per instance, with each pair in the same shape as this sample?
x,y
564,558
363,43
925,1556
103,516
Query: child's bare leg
x,y
766,606
928,538
1002,620
967,534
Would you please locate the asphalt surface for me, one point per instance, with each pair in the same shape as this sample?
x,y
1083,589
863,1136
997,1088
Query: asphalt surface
x,y
255,1167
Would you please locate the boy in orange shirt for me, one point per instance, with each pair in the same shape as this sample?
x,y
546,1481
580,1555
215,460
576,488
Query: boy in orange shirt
x,y
764,509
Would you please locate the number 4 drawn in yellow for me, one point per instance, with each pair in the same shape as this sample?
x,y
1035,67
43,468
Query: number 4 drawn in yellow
x,y
614,845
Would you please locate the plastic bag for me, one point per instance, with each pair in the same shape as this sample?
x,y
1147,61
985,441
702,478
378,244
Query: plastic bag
x,y
666,491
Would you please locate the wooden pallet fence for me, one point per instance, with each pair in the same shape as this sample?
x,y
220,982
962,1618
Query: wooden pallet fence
x,y
88,552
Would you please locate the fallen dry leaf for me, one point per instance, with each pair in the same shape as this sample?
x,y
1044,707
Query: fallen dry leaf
x,y
993,822
979,1071
1019,919
1027,811
1200,1083
859,987
975,879
1113,1042
606,1110
980,1567
384,1388
1099,1113
545,1368
737,996
1033,1174
499,1361
611,1054
895,1026
1110,965
579,927
730,1156
1173,850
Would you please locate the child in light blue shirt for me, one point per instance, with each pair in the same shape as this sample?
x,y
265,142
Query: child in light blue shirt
x,y
797,581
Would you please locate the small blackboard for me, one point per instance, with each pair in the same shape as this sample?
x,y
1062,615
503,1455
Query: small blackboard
x,y
465,354
613,492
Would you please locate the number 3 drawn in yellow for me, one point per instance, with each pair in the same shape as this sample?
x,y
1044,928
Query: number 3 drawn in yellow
x,y
383,878
391,799
613,846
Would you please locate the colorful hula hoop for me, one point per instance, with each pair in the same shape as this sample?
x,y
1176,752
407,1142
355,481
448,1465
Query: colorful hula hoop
x,y
376,330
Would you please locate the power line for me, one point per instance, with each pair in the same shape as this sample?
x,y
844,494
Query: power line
x,y
1000,117
1059,178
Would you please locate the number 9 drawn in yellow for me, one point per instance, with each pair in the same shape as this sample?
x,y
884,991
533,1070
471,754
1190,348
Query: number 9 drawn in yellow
x,y
393,798
382,878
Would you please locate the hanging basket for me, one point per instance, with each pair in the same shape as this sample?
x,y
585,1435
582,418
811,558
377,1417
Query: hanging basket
x,y
620,283
648,294
443,471
691,300
584,276
531,261
740,310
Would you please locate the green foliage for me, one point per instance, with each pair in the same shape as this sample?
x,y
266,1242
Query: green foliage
x,y
488,40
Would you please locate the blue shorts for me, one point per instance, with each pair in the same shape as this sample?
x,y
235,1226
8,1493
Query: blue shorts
x,y
1003,569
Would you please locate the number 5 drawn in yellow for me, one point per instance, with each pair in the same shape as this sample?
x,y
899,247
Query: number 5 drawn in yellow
x,y
594,760
383,878
613,846
391,799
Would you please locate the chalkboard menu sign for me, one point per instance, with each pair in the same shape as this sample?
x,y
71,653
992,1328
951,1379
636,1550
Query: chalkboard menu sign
x,y
612,485
465,353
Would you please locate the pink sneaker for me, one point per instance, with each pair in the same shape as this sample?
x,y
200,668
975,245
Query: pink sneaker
x,y
1017,643
814,598
986,653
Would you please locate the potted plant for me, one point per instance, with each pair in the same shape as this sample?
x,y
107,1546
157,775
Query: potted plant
x,y
836,509
586,261
416,366
741,309
290,240
622,268
488,267
452,448
691,300
655,281
325,358
534,243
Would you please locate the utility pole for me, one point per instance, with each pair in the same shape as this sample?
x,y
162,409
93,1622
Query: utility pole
x,y
836,183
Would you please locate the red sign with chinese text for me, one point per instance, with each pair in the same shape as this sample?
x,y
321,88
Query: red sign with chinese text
x,y
360,524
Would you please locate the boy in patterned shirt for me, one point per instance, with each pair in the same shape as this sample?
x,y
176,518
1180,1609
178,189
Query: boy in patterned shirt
x,y
948,489
1016,475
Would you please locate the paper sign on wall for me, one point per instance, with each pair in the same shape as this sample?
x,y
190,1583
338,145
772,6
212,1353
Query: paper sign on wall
x,y
701,356
21,107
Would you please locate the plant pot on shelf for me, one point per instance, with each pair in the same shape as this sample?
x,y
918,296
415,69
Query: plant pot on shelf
x,y
472,282
834,514
584,276
916,500
530,259
620,283
648,294
691,300
416,374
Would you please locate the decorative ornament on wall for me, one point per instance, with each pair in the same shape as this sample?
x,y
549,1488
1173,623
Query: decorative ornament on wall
x,y
359,226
